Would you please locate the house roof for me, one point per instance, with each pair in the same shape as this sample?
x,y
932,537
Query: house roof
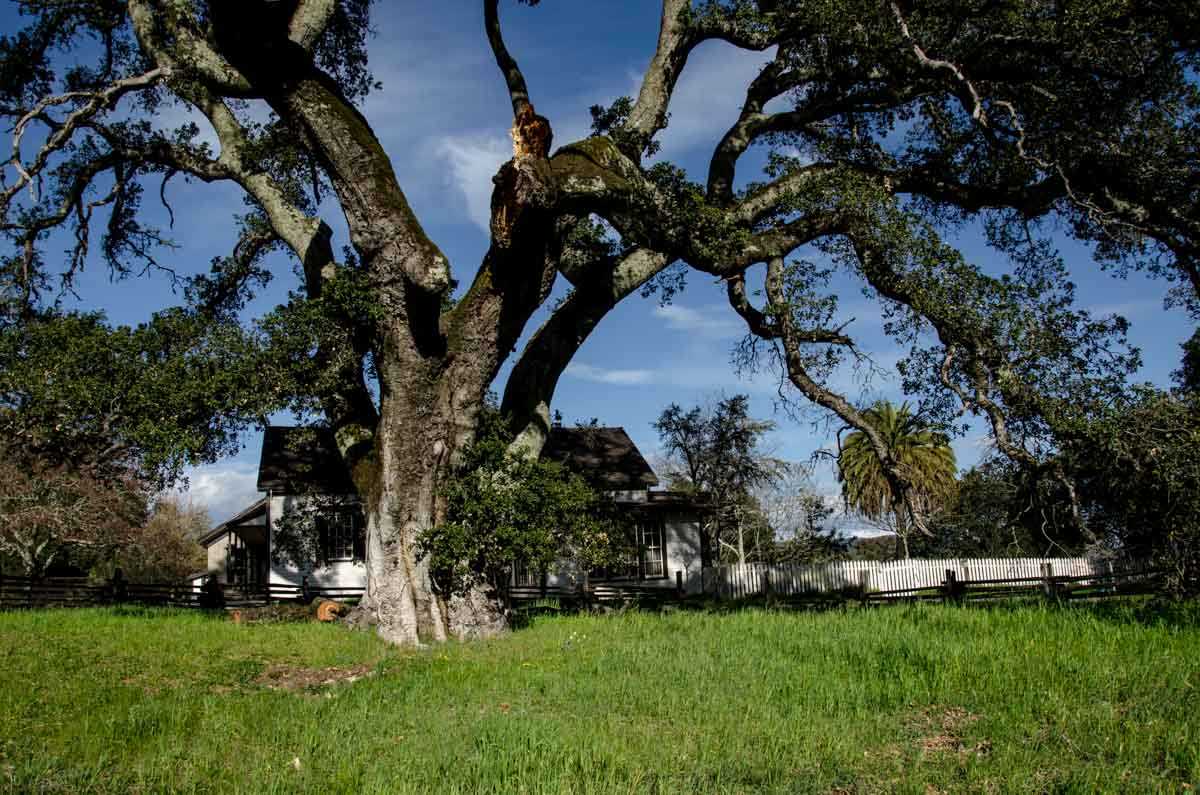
x,y
606,457
296,460
245,517
299,460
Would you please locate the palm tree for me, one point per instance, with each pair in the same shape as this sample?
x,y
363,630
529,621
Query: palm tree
x,y
924,455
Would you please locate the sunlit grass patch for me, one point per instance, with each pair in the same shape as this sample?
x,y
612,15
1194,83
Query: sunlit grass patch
x,y
1005,699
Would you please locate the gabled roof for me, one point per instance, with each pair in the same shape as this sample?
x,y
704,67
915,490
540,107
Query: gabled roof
x,y
297,460
606,457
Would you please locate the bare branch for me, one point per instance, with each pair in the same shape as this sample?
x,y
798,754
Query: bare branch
x,y
96,102
974,102
518,92
760,325
770,83
530,388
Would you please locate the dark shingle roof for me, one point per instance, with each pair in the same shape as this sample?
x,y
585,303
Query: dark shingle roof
x,y
606,457
296,460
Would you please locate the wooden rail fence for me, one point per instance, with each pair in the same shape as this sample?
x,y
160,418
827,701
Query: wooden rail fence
x,y
23,592
868,582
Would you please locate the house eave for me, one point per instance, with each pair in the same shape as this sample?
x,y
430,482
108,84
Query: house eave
x,y
238,521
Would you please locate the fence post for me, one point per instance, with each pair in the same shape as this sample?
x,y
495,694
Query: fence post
x,y
120,589
864,584
950,586
1048,590
212,595
306,595
767,583
543,584
679,582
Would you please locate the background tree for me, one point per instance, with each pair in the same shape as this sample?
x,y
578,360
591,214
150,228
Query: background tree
x,y
97,418
164,548
874,547
885,126
1139,481
798,517
998,511
716,453
1187,377
51,515
922,454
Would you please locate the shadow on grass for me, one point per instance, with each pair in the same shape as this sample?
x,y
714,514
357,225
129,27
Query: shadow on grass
x,y
1149,611
525,615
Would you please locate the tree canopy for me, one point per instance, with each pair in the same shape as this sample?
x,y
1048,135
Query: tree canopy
x,y
886,126
123,401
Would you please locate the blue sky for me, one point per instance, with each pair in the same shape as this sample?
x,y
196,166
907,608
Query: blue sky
x,y
443,116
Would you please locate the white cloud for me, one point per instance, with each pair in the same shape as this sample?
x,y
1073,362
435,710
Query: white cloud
x,y
709,95
601,375
223,489
1126,309
473,160
716,375
710,321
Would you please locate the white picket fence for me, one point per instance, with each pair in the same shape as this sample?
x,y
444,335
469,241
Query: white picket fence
x,y
748,579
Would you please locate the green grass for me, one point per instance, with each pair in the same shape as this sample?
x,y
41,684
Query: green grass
x,y
896,699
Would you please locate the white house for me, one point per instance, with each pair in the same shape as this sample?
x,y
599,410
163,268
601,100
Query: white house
x,y
300,471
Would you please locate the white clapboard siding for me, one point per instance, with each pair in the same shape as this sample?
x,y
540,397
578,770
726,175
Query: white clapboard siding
x,y
748,579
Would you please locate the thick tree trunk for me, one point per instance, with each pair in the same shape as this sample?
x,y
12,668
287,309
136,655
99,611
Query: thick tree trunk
x,y
407,606
419,431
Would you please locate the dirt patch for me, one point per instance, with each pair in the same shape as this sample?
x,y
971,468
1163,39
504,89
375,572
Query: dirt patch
x,y
939,742
941,731
293,678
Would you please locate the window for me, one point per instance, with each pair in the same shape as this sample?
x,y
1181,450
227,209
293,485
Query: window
x,y
646,558
341,534
650,544
523,575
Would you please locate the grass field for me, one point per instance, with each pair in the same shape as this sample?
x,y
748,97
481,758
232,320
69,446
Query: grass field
x,y
911,699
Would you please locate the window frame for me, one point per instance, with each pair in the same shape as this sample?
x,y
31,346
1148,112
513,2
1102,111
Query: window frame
x,y
335,538
621,571
659,531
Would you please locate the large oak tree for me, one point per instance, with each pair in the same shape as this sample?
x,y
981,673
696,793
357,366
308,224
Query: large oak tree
x,y
888,123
